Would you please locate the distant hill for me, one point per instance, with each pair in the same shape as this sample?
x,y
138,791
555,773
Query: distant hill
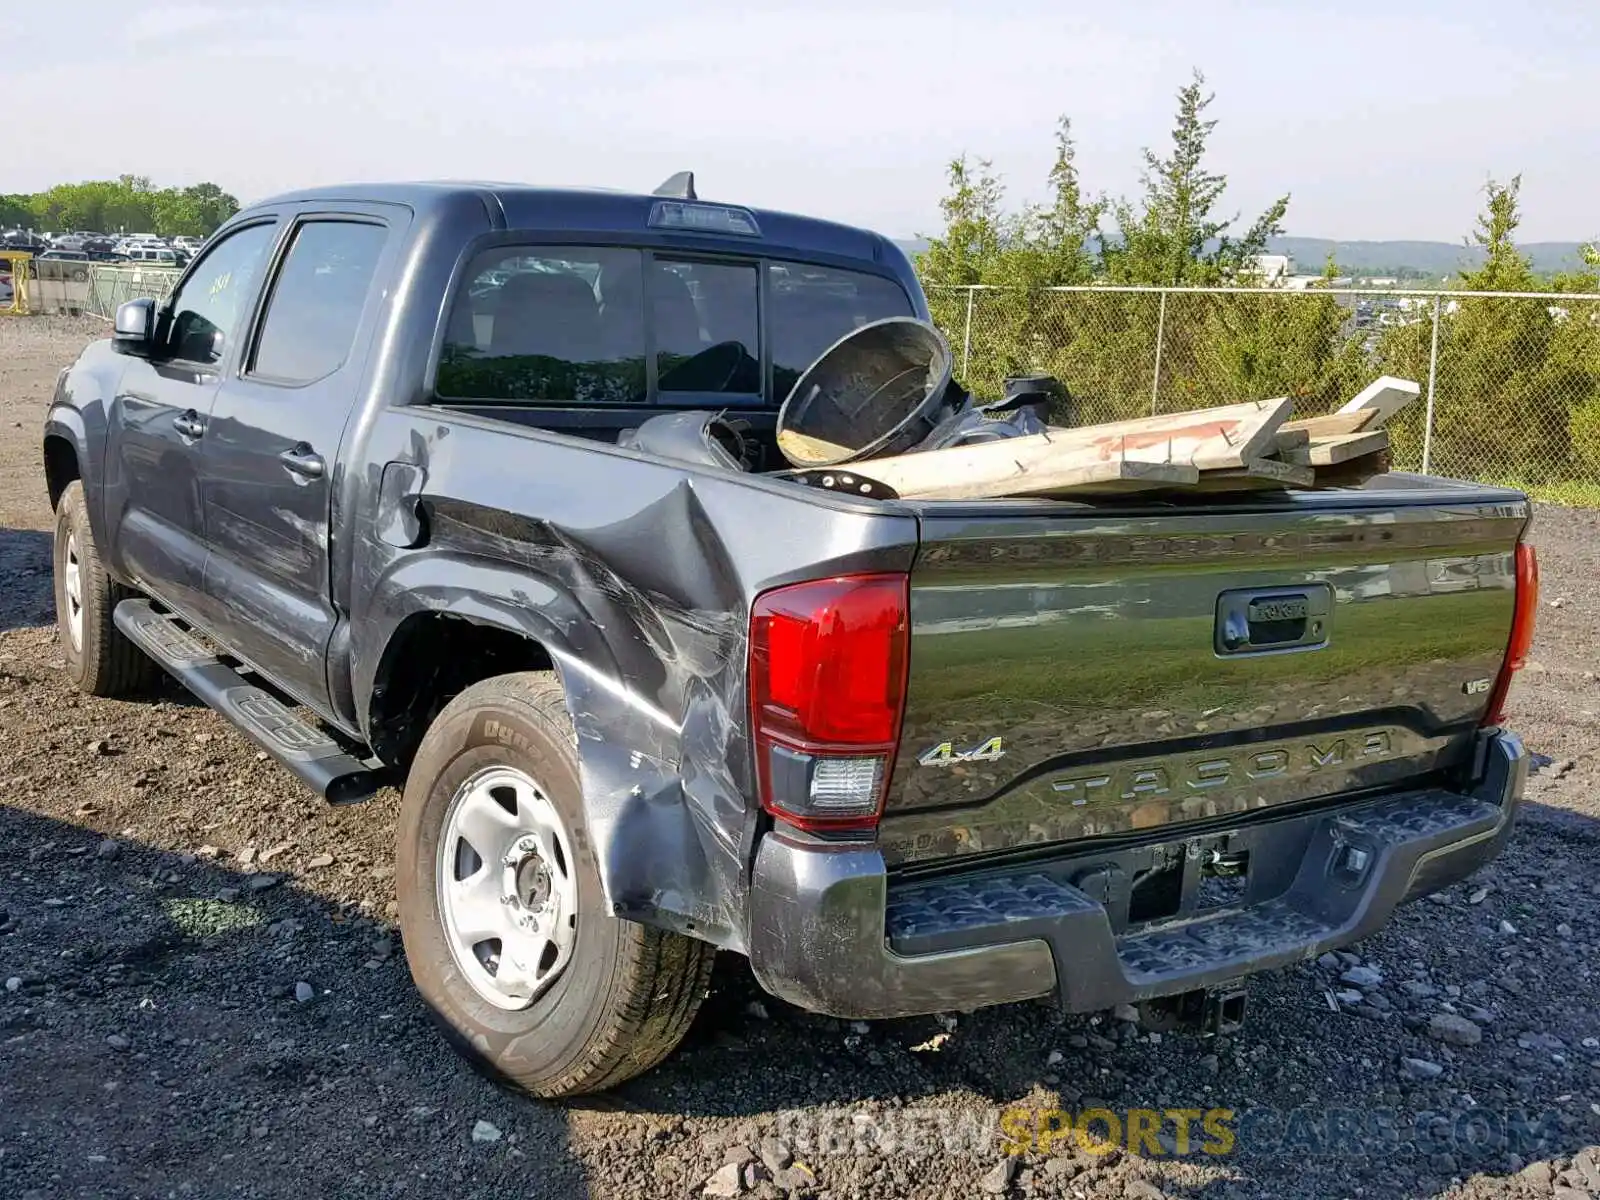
x,y
1428,258
1432,259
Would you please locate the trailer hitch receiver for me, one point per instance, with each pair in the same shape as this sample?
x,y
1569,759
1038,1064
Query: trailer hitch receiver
x,y
1205,1011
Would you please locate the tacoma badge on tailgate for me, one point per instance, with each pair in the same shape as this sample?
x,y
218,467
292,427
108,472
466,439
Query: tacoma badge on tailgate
x,y
1221,769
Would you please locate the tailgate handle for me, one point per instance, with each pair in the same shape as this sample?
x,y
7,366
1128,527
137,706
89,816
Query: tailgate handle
x,y
1266,620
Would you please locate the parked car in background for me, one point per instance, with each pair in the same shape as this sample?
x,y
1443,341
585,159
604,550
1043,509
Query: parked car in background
x,y
143,241
62,264
155,256
23,239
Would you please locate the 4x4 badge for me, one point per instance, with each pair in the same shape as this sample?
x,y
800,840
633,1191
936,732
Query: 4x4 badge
x,y
945,754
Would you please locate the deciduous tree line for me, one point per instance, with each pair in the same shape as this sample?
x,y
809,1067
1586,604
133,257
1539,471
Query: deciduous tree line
x,y
129,204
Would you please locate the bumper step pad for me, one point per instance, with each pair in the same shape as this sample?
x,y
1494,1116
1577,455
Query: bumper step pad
x,y
1410,839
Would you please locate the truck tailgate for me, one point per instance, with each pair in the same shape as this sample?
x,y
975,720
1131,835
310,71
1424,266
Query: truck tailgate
x,y
1079,673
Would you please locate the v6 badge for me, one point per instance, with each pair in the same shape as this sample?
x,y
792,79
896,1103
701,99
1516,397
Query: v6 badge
x,y
945,754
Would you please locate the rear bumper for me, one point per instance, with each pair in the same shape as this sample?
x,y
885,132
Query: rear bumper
x,y
829,933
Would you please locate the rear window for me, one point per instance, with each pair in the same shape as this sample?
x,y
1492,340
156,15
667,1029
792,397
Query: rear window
x,y
705,317
577,326
813,307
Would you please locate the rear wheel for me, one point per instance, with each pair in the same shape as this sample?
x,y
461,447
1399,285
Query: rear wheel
x,y
100,660
505,924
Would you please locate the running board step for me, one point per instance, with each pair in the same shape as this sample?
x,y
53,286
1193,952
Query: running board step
x,y
319,761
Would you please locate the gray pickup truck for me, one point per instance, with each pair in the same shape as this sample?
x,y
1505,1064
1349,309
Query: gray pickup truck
x,y
358,485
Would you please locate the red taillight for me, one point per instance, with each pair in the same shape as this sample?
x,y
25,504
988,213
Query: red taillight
x,y
827,689
1522,620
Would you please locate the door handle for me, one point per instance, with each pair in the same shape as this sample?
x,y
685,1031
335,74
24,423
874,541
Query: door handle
x,y
1263,620
303,461
189,424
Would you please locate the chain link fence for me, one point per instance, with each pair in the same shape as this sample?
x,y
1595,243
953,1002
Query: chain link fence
x,y
1510,381
110,286
31,285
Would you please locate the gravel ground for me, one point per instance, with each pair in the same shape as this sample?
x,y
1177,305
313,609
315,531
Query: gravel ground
x,y
203,995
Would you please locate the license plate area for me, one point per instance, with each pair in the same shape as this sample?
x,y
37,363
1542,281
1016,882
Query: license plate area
x,y
1181,878
1187,878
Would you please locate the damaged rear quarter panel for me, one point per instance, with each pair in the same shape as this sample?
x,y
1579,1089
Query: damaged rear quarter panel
x,y
637,576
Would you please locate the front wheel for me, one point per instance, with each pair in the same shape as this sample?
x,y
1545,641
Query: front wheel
x,y
502,913
100,660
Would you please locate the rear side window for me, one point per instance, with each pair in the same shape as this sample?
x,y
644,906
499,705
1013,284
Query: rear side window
x,y
813,307
317,300
554,325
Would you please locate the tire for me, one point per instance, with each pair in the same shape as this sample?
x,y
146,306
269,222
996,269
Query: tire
x,y
626,993
100,660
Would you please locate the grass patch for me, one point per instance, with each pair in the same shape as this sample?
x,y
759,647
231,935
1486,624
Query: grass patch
x,y
195,918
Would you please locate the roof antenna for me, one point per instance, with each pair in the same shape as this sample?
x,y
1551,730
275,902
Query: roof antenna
x,y
679,187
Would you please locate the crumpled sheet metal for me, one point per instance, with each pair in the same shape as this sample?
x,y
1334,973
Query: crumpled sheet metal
x,y
707,438
639,588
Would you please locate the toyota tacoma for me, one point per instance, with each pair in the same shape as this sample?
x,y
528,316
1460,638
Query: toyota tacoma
x,y
370,483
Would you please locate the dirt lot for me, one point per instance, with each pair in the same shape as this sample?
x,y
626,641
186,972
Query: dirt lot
x,y
164,892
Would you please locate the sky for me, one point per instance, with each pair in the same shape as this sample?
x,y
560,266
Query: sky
x,y
1381,120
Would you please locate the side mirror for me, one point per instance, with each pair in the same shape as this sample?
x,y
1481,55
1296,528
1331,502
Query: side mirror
x,y
134,330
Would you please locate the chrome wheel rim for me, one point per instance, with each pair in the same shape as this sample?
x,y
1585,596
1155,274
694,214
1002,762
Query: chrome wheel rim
x,y
72,580
508,893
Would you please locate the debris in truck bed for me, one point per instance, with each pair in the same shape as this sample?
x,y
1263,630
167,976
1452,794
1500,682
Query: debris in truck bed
x,y
801,449
879,397
842,479
1248,446
1207,438
1383,397
1043,464
1151,452
1257,474
880,389
886,388
1353,472
1328,426
1327,451
1290,439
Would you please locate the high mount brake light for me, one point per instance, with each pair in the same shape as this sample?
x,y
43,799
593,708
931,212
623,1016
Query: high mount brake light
x,y
703,218
828,663
1522,622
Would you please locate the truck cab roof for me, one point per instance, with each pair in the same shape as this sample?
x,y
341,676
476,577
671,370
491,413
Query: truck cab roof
x,y
607,213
